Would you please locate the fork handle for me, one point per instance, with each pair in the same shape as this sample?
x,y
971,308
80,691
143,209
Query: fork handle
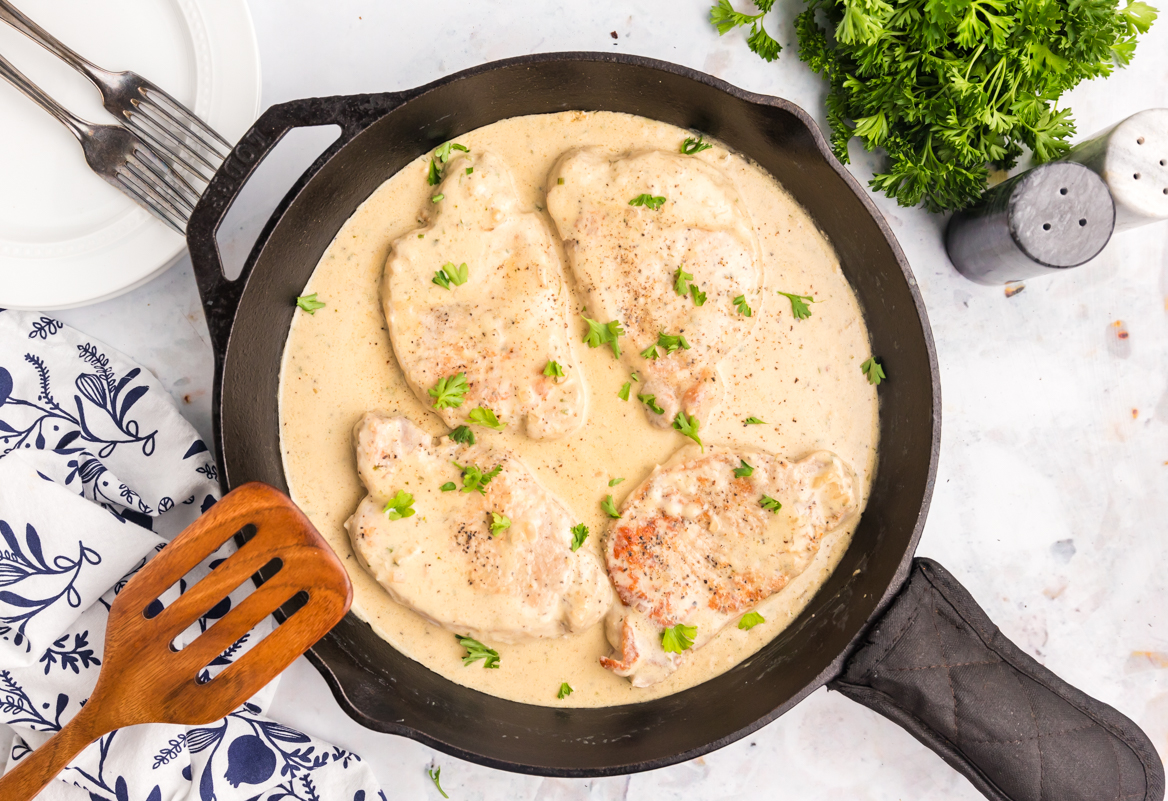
x,y
13,16
36,770
18,79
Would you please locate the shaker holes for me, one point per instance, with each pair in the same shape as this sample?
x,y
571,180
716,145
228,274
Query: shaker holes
x,y
1140,141
1136,176
1063,191
1046,226
1082,222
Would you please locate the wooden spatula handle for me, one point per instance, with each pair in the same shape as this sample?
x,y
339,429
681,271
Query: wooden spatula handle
x,y
39,768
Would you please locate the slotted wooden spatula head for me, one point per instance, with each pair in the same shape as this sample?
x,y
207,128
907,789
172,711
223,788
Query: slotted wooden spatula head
x,y
145,679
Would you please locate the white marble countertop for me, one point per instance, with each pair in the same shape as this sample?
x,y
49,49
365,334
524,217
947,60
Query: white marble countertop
x,y
1050,499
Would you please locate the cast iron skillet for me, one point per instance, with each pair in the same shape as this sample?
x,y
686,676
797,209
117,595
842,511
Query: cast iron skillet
x,y
249,320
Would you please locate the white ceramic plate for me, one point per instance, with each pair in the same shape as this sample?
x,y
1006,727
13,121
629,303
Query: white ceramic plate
x,y
67,238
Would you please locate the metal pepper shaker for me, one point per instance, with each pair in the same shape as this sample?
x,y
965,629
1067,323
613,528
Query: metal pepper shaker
x,y
1046,220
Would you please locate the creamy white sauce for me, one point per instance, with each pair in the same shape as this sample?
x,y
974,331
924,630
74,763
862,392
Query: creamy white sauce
x,y
801,376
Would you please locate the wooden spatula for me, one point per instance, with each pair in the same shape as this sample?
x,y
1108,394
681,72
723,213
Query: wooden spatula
x,y
144,679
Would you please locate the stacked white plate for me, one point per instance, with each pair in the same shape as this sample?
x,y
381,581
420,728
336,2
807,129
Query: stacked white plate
x,y
67,238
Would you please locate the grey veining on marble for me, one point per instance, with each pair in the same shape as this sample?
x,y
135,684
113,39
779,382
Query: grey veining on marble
x,y
1050,503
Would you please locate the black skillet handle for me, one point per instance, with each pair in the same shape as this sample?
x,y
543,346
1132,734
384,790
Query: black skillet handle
x,y
353,113
937,665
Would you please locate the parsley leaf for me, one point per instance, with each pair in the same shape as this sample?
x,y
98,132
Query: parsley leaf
x,y
651,402
553,370
798,307
648,200
579,534
679,638
750,620
441,280
401,506
671,342
469,170
746,471
499,523
612,482
624,391
699,297
309,303
681,281
743,309
475,651
872,369
725,19
769,503
449,486
464,435
474,479
434,774
609,507
438,197
444,152
434,176
604,334
448,392
754,421
449,274
689,427
650,352
565,691
692,146
482,416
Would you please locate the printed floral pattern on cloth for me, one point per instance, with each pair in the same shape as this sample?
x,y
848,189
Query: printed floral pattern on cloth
x,y
98,470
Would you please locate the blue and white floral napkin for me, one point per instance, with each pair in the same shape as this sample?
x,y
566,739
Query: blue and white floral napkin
x,y
97,472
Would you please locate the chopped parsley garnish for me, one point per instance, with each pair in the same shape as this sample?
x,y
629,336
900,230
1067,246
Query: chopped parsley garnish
x,y
553,370
469,170
699,297
448,392
624,391
499,523
482,416
604,334
746,471
434,774
644,199
612,482
671,342
750,620
634,376
475,651
309,303
475,479
651,402
769,503
650,352
444,152
691,146
401,506
559,182
754,421
799,308
449,486
681,281
565,691
740,303
678,638
609,507
464,435
579,534
449,274
434,176
437,198
873,371
689,427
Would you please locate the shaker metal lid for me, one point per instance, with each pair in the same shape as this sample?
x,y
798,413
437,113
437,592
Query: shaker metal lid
x,y
1061,214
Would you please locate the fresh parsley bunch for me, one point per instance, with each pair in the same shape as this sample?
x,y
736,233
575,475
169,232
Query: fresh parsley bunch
x,y
947,87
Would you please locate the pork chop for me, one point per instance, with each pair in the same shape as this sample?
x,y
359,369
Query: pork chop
x,y
486,550
698,545
479,292
626,260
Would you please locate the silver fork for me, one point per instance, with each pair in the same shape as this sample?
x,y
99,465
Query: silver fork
x,y
120,157
178,137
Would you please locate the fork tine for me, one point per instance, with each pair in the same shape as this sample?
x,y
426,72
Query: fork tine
x,y
149,128
160,184
202,131
164,169
145,199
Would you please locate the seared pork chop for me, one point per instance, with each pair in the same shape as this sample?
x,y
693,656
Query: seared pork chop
x,y
489,556
480,292
626,260
698,545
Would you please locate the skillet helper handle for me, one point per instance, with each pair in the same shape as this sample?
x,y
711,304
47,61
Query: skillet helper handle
x,y
935,664
220,296
34,772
